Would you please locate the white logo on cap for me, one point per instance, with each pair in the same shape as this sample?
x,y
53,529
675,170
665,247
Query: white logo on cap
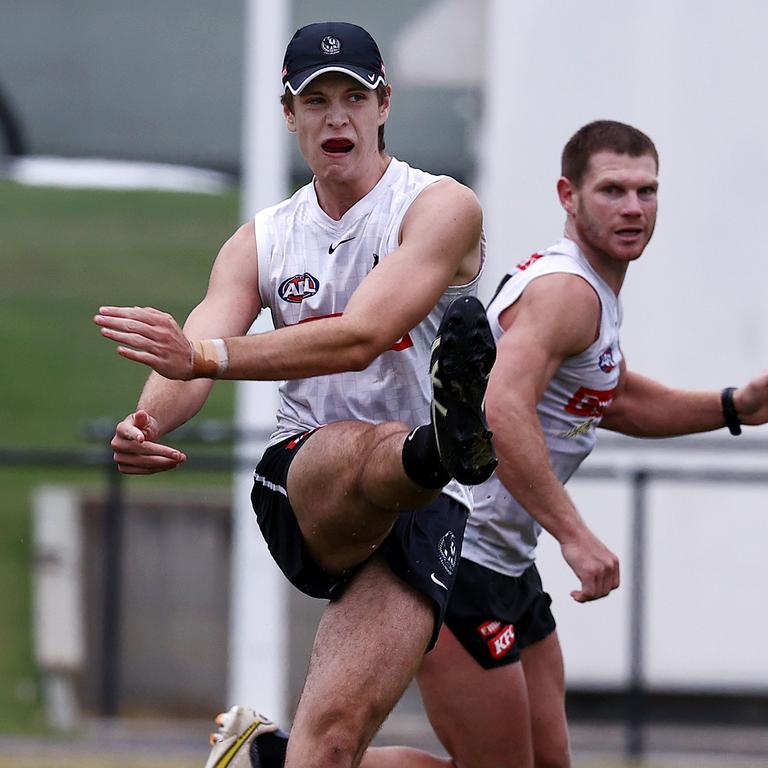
x,y
330,45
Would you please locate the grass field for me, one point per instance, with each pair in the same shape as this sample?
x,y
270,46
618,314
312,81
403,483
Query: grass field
x,y
63,254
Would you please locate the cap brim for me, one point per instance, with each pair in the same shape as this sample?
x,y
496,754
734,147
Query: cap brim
x,y
366,77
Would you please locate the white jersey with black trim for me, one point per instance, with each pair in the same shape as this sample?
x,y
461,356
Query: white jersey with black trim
x,y
309,267
500,534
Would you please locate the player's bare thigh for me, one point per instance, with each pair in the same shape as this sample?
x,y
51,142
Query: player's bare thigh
x,y
347,486
481,716
545,677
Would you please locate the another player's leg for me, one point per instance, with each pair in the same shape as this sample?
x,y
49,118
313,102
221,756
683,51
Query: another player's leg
x,y
545,677
487,726
492,620
481,716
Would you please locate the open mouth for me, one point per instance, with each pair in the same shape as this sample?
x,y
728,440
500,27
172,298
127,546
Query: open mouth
x,y
629,232
338,146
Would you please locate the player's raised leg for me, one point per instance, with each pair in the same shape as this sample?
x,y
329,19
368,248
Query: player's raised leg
x,y
350,481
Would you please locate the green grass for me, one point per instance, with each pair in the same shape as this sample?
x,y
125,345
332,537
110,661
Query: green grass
x,y
63,254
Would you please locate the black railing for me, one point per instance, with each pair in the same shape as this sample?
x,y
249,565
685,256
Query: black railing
x,y
212,433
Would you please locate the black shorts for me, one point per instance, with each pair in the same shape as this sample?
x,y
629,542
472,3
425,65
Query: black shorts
x,y
422,548
493,615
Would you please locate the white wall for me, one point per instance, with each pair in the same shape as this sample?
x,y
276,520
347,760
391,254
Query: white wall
x,y
692,76
704,622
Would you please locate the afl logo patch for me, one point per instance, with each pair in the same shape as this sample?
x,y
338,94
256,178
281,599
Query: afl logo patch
x,y
330,45
605,361
446,550
297,288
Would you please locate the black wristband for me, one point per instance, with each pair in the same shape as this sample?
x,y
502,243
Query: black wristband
x,y
729,411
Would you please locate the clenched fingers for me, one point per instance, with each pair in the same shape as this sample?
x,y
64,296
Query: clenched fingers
x,y
596,567
145,458
603,580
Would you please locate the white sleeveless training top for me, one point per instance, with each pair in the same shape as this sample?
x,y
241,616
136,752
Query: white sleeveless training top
x,y
309,267
500,534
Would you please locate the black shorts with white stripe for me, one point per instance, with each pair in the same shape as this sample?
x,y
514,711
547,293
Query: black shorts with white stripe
x,y
422,548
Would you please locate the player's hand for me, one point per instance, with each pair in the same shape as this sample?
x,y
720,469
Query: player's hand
x,y
751,401
148,336
594,564
135,453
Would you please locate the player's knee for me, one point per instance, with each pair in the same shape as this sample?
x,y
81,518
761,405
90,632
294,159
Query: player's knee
x,y
341,733
555,754
336,747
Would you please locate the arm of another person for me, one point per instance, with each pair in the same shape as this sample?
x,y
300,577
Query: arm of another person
x,y
440,241
556,317
229,307
644,407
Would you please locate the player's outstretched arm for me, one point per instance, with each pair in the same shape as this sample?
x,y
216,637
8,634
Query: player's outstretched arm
x,y
230,305
440,242
555,318
644,407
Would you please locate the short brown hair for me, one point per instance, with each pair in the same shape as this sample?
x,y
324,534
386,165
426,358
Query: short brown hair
x,y
381,91
603,136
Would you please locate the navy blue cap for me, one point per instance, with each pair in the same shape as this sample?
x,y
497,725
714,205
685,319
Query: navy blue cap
x,y
332,46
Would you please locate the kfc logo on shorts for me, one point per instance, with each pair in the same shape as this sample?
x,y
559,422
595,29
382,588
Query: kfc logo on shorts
x,y
446,549
502,643
606,362
297,288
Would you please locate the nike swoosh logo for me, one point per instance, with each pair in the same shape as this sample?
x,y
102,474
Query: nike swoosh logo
x,y
332,247
437,581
